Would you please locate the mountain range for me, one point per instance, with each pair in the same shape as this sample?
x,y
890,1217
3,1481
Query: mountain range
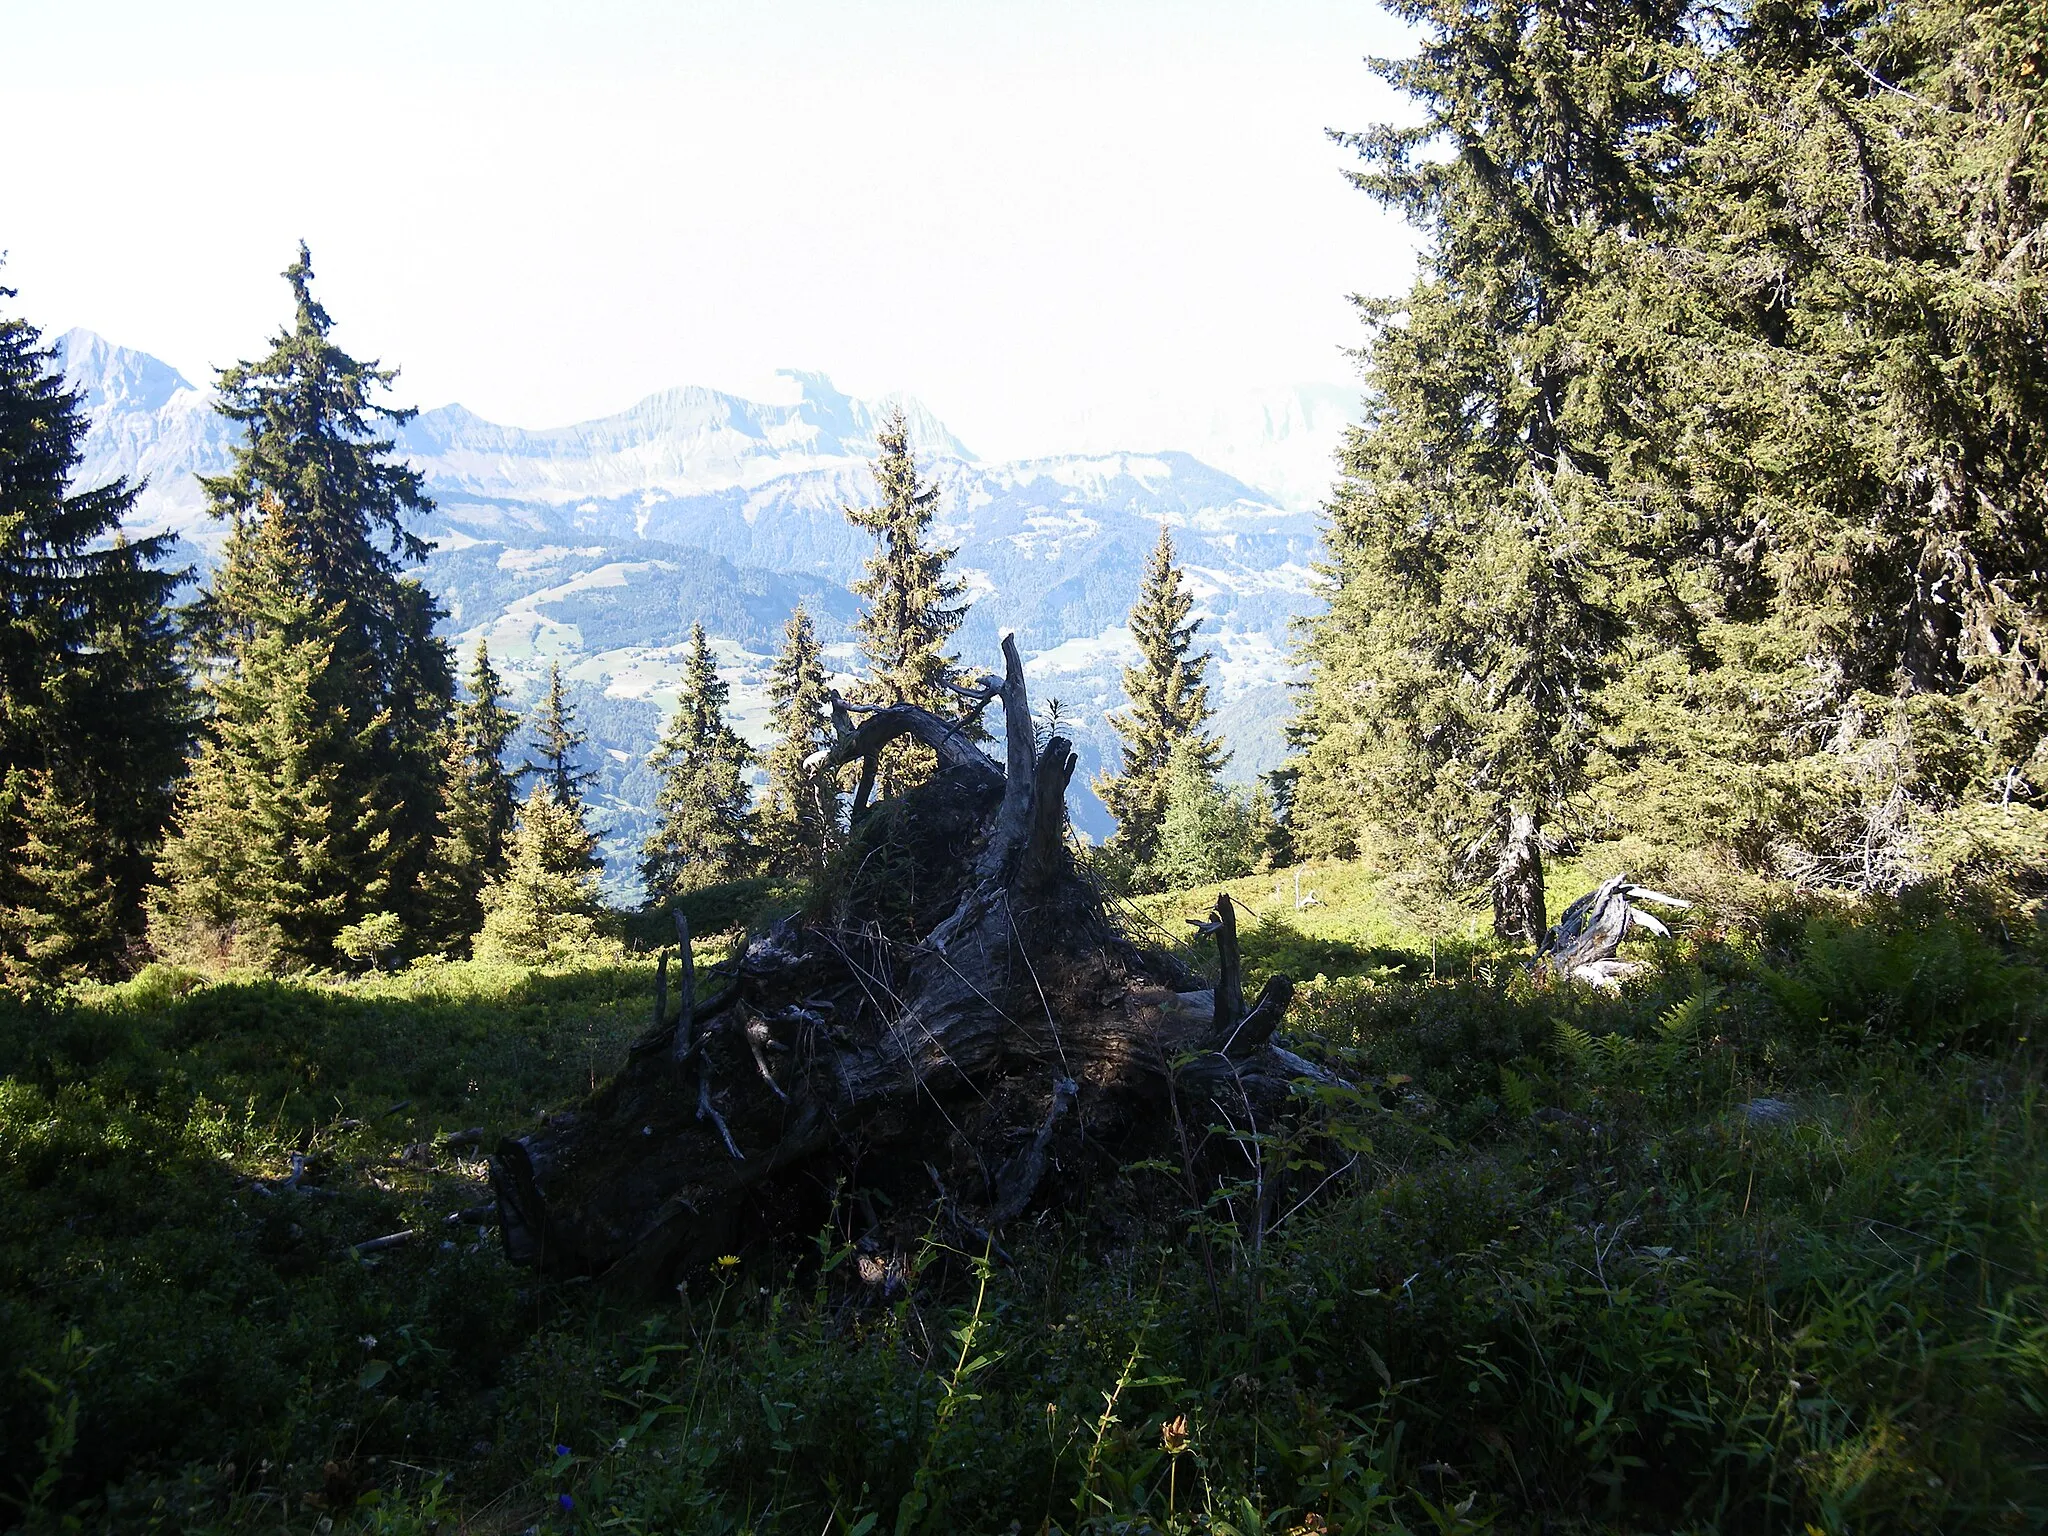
x,y
597,545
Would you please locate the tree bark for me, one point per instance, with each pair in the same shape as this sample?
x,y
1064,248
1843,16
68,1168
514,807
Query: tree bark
x,y
1519,914
955,1016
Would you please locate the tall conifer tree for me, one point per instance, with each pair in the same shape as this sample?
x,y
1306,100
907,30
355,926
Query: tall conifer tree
x,y
1478,564
94,709
546,904
1841,415
1701,494
800,813
703,831
1169,706
559,743
482,800
310,614
913,602
260,871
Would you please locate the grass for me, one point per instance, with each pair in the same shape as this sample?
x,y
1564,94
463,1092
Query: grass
x,y
1758,1246
1335,918
195,1324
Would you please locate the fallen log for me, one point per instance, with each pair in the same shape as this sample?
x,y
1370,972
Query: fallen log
x,y
955,1010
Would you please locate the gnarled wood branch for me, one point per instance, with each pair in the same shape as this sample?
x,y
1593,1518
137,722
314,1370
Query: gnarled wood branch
x,y
886,722
961,1002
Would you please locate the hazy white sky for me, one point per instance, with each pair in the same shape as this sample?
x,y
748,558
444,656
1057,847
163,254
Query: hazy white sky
x,y
1039,217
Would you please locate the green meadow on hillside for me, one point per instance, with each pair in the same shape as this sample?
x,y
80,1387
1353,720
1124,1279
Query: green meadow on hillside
x,y
1756,1246
1689,520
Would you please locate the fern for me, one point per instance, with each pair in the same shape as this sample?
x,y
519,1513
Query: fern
x,y
1516,1092
1577,1047
1618,1053
1680,1027
1681,1021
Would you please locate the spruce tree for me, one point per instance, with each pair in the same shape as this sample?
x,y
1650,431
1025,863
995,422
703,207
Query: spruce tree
x,y
482,801
259,872
310,614
546,907
60,911
799,815
1701,496
1844,415
1480,567
1206,832
95,711
913,603
703,830
559,743
1169,705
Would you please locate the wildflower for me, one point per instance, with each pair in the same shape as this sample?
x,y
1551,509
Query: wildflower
x,y
561,1450
728,1263
565,1502
1173,1435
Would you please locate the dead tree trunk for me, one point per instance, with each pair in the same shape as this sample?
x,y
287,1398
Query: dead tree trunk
x,y
956,1019
1583,945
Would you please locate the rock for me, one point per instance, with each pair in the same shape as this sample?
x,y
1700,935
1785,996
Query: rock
x,y
1769,1112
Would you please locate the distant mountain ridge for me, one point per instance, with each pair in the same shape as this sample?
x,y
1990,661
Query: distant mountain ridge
x,y
678,442
598,544
149,423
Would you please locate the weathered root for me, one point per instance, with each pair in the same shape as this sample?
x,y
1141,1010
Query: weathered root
x,y
957,1011
1583,944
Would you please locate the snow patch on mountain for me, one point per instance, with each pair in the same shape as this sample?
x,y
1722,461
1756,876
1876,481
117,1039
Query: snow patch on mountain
x,y
680,442
1283,441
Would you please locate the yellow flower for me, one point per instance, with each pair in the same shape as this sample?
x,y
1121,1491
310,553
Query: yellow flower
x,y
729,1262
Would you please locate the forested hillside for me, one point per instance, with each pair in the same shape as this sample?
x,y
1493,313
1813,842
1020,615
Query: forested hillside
x,y
1592,1084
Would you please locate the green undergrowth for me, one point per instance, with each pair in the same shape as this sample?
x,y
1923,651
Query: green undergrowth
x,y
169,1324
1759,1245
717,912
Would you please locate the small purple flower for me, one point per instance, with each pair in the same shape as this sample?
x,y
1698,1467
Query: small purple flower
x,y
561,1450
565,1501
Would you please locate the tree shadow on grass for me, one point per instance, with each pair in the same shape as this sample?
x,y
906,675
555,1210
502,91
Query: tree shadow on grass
x,y
1271,945
432,1051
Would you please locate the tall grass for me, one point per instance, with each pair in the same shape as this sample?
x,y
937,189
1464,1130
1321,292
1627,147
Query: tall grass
x,y
1757,1246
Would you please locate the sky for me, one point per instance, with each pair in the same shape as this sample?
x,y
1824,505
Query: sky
x,y
1056,223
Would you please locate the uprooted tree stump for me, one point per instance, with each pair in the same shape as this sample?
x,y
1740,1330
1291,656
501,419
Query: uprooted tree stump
x,y
1584,943
955,1028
